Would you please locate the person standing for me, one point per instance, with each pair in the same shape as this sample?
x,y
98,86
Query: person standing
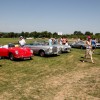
x,y
88,49
60,41
64,40
93,43
22,41
50,42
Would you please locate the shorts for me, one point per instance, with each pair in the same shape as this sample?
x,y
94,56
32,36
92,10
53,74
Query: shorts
x,y
88,52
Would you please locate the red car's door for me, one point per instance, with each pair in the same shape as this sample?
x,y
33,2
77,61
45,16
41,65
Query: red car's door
x,y
3,52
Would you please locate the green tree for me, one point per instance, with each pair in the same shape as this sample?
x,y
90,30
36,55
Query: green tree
x,y
78,33
88,33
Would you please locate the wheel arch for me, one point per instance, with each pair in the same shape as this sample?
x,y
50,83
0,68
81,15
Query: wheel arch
x,y
41,50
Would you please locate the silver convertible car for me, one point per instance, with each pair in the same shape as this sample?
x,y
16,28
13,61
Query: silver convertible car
x,y
43,49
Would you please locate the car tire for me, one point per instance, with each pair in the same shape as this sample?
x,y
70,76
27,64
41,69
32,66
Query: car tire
x,y
42,53
30,58
11,57
69,51
81,47
0,57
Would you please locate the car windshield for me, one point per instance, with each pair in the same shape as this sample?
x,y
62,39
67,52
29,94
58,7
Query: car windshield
x,y
11,45
80,42
39,43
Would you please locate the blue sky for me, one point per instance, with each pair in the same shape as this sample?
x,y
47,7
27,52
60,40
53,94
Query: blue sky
x,y
64,16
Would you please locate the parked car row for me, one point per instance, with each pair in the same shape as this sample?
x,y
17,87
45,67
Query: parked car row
x,y
26,52
40,48
43,48
81,45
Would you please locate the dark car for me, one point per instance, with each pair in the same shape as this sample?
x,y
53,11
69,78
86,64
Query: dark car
x,y
78,44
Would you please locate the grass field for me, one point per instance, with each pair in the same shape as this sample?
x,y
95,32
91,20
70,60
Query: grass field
x,y
62,77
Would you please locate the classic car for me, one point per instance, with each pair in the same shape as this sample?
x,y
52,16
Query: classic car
x,y
78,44
42,48
13,52
97,45
60,48
64,48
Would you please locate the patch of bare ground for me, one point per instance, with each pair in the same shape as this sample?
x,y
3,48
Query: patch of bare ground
x,y
73,86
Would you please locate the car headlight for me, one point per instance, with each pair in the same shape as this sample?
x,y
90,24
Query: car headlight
x,y
69,46
16,52
50,49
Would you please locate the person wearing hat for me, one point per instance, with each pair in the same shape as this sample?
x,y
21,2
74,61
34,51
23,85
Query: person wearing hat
x,y
88,49
22,41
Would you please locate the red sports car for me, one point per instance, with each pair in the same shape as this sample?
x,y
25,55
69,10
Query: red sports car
x,y
13,52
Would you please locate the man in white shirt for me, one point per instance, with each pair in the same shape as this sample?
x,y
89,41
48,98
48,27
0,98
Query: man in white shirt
x,y
22,41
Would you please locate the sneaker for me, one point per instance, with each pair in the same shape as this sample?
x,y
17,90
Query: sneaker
x,y
83,61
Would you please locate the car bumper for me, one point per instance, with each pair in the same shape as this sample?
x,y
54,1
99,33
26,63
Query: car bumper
x,y
51,53
66,50
97,46
23,56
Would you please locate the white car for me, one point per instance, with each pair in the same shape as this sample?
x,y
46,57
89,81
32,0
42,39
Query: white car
x,y
61,48
97,45
64,48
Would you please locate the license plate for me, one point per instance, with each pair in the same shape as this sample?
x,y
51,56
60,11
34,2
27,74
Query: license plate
x,y
55,52
26,58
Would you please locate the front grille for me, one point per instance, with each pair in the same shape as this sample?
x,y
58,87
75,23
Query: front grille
x,y
54,49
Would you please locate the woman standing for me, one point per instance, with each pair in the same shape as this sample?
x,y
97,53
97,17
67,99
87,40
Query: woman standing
x,y
88,49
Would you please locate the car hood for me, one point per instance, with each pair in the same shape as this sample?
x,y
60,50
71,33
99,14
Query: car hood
x,y
19,48
44,46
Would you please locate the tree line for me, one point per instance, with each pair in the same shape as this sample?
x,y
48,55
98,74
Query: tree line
x,y
46,34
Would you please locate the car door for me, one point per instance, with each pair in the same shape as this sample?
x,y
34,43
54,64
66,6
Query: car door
x,y
76,45
36,47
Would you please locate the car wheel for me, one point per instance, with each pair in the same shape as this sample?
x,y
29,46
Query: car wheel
x,y
30,58
42,53
81,47
11,57
68,50
0,57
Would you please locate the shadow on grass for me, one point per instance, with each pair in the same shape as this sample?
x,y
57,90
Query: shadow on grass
x,y
47,56
15,60
83,61
56,55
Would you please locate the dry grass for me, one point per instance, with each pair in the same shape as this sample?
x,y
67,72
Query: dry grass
x,y
62,77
